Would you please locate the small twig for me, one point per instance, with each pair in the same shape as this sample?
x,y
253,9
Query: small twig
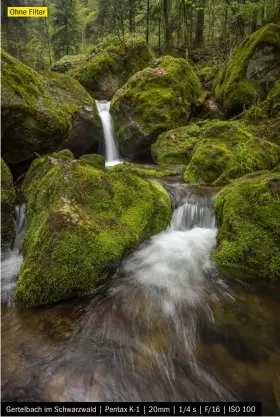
x,y
22,175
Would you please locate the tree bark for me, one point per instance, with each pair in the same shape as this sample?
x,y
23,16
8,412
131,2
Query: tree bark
x,y
199,29
148,22
167,8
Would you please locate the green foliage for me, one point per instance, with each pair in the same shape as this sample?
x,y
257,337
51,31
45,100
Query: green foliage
x,y
248,215
154,100
237,87
81,222
7,205
64,23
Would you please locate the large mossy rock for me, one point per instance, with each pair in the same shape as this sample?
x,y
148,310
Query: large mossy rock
x,y
154,100
251,72
265,116
81,221
248,217
67,62
228,150
175,147
44,112
8,196
105,70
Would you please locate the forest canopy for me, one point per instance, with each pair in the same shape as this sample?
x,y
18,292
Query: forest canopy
x,y
181,27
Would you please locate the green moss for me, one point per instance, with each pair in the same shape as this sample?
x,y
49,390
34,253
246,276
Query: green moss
x,y
228,150
8,196
94,160
175,146
248,75
39,110
105,70
144,172
81,222
248,216
67,62
154,100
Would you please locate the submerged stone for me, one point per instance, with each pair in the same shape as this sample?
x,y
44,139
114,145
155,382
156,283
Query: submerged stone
x,y
81,222
248,217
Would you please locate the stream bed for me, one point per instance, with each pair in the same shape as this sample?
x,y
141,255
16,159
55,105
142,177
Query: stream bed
x,y
166,327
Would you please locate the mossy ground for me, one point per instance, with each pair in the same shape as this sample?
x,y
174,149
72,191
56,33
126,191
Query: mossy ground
x,y
38,110
248,216
154,100
8,196
237,86
109,66
81,221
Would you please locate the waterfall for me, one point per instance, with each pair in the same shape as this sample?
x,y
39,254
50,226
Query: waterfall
x,y
149,314
12,258
112,156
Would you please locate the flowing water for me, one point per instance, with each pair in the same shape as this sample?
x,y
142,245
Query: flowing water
x,y
165,328
112,156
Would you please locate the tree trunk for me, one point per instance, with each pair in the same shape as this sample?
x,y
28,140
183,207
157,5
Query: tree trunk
x,y
148,22
167,8
131,17
159,34
199,29
185,18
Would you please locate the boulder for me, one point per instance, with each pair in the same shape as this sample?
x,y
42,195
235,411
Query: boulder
x,y
154,100
95,160
145,171
248,217
175,146
44,112
109,66
81,222
228,150
251,72
8,196
67,62
265,115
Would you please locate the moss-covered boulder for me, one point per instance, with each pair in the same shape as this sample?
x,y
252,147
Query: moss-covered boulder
x,y
110,65
67,62
154,100
7,206
251,71
227,150
95,160
248,216
265,116
81,222
44,112
175,147
145,171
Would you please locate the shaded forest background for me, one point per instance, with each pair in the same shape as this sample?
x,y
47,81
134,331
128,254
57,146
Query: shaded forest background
x,y
204,28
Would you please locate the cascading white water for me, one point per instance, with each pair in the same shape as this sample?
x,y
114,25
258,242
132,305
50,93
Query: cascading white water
x,y
112,156
12,258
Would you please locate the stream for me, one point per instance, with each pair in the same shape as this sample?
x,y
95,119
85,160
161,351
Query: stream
x,y
166,327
